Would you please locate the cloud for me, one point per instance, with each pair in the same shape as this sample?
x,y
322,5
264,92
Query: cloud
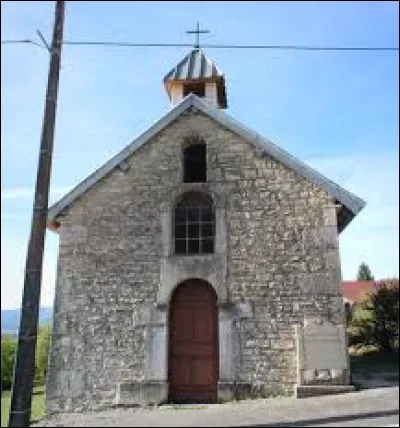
x,y
13,216
28,192
13,258
16,193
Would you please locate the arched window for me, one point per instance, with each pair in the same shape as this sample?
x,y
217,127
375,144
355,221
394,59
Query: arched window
x,y
194,225
194,160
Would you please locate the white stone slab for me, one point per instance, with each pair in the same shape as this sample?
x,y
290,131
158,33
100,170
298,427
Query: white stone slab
x,y
321,346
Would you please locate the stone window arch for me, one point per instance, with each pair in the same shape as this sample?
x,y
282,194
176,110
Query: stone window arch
x,y
194,224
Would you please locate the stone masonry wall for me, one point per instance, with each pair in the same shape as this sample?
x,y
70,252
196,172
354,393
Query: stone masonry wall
x,y
282,261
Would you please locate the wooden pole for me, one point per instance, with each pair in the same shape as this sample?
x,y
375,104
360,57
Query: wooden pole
x,y
24,369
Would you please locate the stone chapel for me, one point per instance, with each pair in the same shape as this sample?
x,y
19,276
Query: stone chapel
x,y
198,265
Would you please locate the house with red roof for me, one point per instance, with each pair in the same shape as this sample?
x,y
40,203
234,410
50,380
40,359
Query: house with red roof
x,y
354,291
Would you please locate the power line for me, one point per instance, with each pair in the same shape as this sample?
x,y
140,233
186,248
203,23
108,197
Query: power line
x,y
283,47
26,41
214,46
128,44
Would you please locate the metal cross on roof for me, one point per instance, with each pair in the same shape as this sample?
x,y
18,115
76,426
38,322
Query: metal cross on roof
x,y
197,32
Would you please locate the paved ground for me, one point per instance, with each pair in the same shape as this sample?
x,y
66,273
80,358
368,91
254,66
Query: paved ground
x,y
374,407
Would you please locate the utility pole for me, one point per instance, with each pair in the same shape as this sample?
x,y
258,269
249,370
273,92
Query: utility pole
x,y
24,369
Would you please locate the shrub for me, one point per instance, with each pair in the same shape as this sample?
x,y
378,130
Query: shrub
x,y
8,347
42,352
8,350
376,319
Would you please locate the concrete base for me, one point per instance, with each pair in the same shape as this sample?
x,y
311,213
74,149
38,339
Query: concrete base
x,y
141,393
303,391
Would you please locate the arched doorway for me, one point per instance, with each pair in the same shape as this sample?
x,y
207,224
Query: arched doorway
x,y
193,343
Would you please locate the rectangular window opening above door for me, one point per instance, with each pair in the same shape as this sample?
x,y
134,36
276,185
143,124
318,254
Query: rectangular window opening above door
x,y
195,164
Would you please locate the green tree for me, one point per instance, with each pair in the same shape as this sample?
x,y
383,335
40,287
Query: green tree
x,y
42,352
376,321
8,347
364,273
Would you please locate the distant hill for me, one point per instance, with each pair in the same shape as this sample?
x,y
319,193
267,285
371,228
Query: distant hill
x,y
10,319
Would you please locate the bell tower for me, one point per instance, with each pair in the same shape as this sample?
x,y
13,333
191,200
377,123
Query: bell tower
x,y
196,74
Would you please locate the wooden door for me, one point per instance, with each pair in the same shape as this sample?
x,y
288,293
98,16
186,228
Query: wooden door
x,y
193,344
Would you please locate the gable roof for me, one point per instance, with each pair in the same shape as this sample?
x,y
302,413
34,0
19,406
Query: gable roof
x,y
350,203
356,290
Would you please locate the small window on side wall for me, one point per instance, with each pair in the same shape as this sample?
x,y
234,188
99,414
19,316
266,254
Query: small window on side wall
x,y
195,163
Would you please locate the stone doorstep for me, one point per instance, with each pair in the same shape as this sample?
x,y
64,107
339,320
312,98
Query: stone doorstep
x,y
303,391
155,392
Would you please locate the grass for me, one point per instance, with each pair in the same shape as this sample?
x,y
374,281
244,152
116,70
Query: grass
x,y
38,405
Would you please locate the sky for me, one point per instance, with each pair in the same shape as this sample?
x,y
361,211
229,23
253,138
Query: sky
x,y
336,111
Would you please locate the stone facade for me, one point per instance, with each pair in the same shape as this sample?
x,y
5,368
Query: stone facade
x,y
276,263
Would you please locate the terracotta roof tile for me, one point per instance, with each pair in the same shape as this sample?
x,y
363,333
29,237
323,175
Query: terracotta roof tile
x,y
355,290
